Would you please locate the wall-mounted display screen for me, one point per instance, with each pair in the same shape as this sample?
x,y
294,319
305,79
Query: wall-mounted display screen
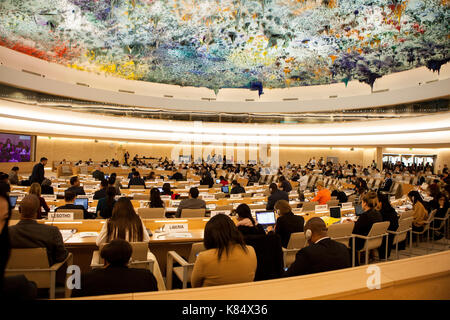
x,y
16,147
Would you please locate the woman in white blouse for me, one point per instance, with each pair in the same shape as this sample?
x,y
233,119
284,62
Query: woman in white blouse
x,y
127,225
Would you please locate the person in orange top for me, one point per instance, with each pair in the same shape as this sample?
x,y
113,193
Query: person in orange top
x,y
323,195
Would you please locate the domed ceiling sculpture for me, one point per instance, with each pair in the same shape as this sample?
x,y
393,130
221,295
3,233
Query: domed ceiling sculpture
x,y
232,43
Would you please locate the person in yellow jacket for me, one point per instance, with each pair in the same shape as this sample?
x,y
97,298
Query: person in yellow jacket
x,y
420,212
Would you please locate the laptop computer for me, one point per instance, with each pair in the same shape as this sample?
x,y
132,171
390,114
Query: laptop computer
x,y
358,210
335,212
160,189
217,181
13,201
82,202
265,218
225,189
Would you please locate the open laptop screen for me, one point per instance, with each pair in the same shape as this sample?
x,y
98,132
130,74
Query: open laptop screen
x,y
81,202
265,218
13,201
335,212
225,189
358,210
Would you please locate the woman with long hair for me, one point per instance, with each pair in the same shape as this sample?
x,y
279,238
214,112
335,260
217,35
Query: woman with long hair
x,y
246,223
155,199
35,189
125,224
226,259
420,211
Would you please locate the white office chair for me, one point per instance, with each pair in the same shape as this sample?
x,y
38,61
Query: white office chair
x,y
151,213
426,228
404,226
297,241
342,232
374,239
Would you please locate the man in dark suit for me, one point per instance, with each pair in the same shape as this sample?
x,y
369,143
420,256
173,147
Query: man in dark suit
x,y
38,173
386,186
285,185
275,195
69,199
102,192
177,175
322,254
191,203
116,277
75,186
236,188
30,234
136,180
98,174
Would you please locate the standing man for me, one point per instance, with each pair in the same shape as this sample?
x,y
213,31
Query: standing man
x,y
38,174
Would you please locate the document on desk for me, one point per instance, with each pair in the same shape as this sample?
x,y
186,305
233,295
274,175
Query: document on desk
x,y
180,235
67,233
87,234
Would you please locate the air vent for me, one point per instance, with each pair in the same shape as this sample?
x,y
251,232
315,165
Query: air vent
x,y
82,84
249,99
167,96
431,81
379,91
332,97
126,91
290,99
33,73
209,99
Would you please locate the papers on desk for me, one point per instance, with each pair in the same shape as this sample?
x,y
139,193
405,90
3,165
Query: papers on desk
x,y
67,233
181,235
87,234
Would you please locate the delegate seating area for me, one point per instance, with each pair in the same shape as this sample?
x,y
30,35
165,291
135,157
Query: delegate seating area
x,y
175,252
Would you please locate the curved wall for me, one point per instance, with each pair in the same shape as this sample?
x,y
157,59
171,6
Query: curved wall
x,y
433,130
27,72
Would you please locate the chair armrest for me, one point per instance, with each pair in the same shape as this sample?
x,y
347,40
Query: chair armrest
x,y
290,250
178,258
442,219
68,260
368,238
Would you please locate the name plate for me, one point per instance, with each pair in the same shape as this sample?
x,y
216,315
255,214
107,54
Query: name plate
x,y
175,203
184,194
159,180
347,205
49,197
216,212
323,207
209,197
166,197
60,216
235,196
178,227
259,195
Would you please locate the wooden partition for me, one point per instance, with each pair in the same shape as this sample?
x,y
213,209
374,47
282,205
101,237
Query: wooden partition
x,y
423,277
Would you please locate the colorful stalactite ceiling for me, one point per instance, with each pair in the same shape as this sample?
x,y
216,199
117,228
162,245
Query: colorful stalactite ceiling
x,y
232,43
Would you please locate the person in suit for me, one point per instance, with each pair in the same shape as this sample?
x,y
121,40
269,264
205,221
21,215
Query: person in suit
x,y
177,175
366,219
227,259
27,233
116,277
38,173
246,224
98,174
136,180
69,199
99,194
387,184
106,204
236,188
130,175
275,195
287,222
75,186
46,187
322,254
389,214
285,185
191,203
340,195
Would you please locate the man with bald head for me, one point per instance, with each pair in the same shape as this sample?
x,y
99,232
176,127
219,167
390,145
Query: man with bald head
x,y
322,254
28,233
